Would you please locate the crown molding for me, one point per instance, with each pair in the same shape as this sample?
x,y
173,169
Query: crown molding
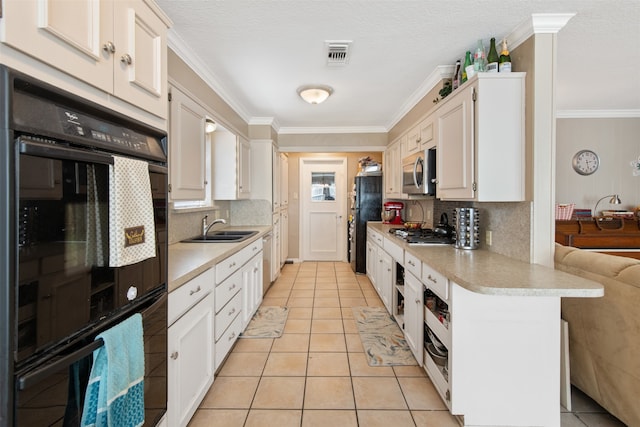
x,y
441,72
597,114
330,130
331,149
538,23
175,42
265,121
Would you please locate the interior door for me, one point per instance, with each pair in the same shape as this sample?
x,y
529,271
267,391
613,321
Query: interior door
x,y
323,227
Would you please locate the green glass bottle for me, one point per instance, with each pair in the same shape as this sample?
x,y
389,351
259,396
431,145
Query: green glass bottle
x,y
492,57
504,63
467,63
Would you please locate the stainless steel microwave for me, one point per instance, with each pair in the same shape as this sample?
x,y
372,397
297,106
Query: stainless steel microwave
x,y
419,173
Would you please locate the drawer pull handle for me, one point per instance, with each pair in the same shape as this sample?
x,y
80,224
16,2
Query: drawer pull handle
x,y
232,287
232,336
233,264
233,310
174,355
433,279
196,290
417,301
255,248
411,263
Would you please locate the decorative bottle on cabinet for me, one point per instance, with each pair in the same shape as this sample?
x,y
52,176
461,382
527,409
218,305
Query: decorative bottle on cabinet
x,y
492,57
479,57
456,76
467,63
504,63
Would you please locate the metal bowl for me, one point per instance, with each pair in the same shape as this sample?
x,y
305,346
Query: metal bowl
x,y
439,360
387,216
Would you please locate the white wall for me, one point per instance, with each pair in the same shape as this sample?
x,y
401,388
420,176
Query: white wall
x,y
617,143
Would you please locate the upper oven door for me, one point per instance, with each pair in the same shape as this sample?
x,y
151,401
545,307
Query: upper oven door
x,y
413,174
65,284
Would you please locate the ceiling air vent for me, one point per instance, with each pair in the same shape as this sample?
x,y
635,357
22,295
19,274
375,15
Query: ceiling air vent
x,y
338,52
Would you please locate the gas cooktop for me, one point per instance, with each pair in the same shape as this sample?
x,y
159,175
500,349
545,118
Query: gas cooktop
x,y
421,236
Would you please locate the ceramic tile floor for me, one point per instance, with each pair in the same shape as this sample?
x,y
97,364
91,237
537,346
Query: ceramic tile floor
x,y
316,374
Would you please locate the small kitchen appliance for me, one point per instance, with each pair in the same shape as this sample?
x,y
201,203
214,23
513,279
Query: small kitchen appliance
x,y
391,213
467,226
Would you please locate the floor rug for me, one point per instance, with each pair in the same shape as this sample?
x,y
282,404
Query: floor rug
x,y
382,339
268,322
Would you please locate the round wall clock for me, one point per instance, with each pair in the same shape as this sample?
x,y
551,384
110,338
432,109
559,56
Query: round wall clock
x,y
585,162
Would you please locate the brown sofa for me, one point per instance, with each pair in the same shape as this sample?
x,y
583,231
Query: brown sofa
x,y
604,333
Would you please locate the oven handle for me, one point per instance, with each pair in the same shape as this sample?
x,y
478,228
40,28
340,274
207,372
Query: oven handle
x,y
39,374
54,151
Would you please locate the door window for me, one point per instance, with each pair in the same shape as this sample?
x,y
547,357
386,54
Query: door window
x,y
323,186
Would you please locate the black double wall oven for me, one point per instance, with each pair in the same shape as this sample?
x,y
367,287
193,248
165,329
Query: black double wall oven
x,y
57,291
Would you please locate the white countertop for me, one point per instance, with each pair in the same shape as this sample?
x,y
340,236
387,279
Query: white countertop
x,y
486,272
187,260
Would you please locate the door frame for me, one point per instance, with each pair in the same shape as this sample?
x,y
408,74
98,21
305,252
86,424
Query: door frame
x,y
342,164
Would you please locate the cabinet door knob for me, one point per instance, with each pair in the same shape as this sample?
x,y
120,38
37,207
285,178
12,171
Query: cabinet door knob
x,y
417,301
233,310
126,59
174,355
232,336
109,47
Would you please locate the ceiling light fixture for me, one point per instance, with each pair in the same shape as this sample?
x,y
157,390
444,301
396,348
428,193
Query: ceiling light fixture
x,y
209,126
315,94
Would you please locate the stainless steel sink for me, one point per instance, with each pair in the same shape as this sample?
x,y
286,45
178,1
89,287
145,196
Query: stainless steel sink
x,y
226,236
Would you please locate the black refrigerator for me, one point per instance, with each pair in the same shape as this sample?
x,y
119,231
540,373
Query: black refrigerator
x,y
366,205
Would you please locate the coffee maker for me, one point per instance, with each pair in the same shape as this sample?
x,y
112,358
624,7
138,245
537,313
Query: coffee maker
x,y
391,213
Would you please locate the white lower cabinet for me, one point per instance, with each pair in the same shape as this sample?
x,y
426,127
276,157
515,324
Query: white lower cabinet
x,y
237,286
190,359
251,288
413,315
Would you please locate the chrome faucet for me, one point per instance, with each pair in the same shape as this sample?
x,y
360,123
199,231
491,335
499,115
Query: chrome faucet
x,y
206,227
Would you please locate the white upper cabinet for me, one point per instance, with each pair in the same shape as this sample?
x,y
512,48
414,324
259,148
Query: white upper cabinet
x,y
481,143
187,148
393,170
231,166
118,46
412,141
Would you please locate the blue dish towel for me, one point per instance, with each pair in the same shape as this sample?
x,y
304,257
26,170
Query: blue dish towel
x,y
115,393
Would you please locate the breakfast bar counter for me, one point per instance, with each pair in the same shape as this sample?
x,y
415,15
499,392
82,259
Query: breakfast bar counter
x,y
496,321
486,272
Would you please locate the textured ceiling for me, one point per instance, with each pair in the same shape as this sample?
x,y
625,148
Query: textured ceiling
x,y
255,54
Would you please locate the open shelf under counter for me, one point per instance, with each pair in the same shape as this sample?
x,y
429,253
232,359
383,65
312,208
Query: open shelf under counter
x,y
439,378
438,328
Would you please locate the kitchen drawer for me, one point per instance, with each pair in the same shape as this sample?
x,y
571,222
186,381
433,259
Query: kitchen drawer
x,y
377,238
227,267
413,264
435,281
188,295
227,314
227,289
393,249
224,344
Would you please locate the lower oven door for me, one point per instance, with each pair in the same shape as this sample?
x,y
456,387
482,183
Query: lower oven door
x,y
52,392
